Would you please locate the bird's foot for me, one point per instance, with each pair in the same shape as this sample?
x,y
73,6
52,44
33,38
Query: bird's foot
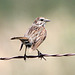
x,y
25,57
40,55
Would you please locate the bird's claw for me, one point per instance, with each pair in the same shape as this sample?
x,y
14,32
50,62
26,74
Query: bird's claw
x,y
41,55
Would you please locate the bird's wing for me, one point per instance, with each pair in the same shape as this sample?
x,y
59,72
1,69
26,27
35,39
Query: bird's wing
x,y
38,40
32,33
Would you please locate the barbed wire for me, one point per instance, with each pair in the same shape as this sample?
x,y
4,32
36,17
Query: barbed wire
x,y
40,56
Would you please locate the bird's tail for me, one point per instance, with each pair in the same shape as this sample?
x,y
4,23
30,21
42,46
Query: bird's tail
x,y
22,39
19,38
21,46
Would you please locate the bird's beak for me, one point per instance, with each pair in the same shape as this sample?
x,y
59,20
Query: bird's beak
x,y
47,20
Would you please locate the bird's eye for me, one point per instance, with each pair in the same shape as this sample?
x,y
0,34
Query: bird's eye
x,y
41,19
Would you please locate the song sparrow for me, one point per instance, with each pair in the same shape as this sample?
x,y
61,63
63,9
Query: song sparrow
x,y
34,36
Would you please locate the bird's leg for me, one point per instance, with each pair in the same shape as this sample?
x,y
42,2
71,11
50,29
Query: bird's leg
x,y
40,54
25,53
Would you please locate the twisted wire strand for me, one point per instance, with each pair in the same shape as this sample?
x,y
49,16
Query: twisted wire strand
x,y
40,56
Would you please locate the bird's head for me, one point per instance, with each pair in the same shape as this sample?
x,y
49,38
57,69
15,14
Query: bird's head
x,y
40,21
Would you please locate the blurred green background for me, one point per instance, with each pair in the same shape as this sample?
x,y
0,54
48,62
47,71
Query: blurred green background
x,y
16,16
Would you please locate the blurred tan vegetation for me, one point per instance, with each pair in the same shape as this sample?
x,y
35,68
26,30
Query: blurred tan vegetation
x,y
16,16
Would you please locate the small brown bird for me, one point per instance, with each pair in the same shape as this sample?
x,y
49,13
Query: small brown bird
x,y
34,36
